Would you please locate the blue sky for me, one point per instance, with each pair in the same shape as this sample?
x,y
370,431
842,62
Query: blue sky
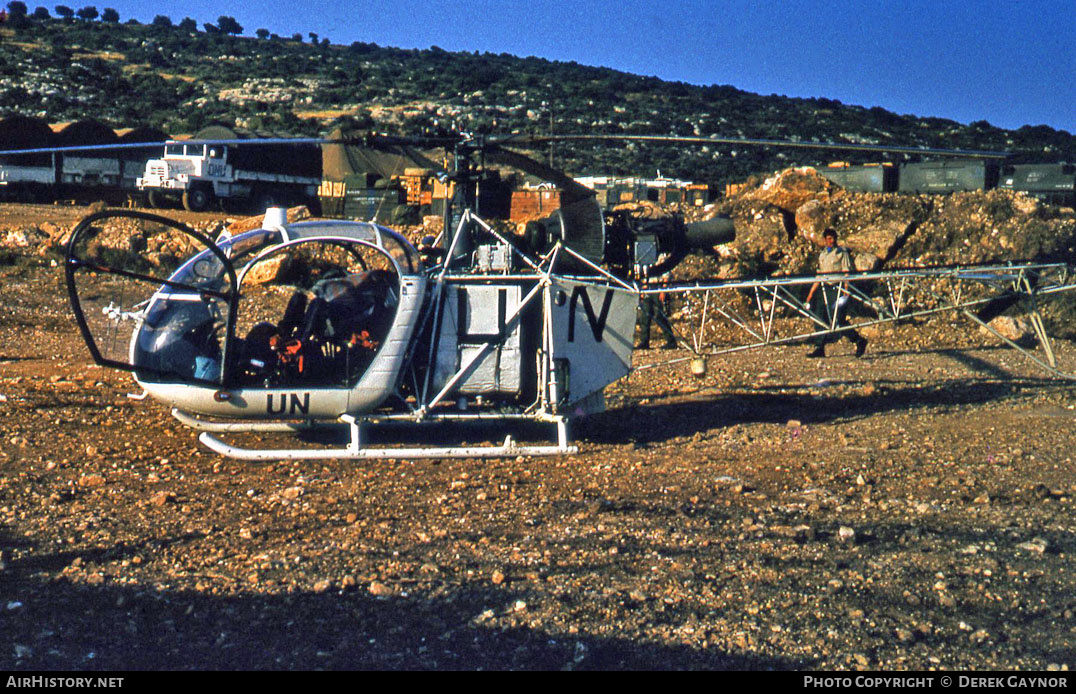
x,y
1010,63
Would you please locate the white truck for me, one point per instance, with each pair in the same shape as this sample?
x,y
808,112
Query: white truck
x,y
217,166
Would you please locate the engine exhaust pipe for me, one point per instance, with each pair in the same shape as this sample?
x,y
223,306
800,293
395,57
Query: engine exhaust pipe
x,y
710,232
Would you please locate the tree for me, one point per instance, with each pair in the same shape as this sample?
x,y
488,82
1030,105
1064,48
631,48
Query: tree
x,y
41,14
262,33
64,12
297,37
16,15
313,38
88,13
110,15
228,25
17,18
162,21
188,24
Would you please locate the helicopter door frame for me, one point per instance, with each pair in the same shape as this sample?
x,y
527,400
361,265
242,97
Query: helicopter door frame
x,y
229,294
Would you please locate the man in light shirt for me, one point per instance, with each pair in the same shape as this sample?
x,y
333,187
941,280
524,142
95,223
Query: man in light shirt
x,y
834,259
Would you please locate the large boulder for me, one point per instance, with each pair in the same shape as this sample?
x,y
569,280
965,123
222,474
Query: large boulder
x,y
765,236
269,271
1015,328
790,189
881,240
239,226
812,219
867,223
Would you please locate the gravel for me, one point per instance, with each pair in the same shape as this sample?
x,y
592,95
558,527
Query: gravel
x,y
909,510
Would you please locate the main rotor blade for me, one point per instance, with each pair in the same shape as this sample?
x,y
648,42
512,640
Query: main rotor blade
x,y
571,190
524,140
373,140
583,224
148,145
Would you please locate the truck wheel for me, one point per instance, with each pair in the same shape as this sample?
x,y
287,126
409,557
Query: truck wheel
x,y
156,199
197,200
265,199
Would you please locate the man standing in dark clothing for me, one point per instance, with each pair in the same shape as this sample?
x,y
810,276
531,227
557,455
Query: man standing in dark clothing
x,y
652,310
834,259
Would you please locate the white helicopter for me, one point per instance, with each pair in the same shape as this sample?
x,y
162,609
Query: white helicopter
x,y
330,323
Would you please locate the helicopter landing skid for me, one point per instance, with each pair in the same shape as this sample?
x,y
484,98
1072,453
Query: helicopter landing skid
x,y
355,449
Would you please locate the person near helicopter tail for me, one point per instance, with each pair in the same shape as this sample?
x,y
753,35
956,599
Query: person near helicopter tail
x,y
832,308
652,310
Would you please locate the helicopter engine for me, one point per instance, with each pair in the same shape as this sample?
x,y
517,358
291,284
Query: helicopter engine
x,y
640,247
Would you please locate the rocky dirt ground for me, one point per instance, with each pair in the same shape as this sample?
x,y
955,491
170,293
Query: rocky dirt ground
x,y
913,509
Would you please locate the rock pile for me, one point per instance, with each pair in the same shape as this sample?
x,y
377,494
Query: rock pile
x,y
125,235
780,222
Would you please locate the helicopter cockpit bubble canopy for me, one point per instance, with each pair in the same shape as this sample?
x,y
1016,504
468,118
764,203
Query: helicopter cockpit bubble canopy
x,y
302,305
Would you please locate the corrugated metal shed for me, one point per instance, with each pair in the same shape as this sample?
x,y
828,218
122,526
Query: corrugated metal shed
x,y
881,178
947,177
1054,183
